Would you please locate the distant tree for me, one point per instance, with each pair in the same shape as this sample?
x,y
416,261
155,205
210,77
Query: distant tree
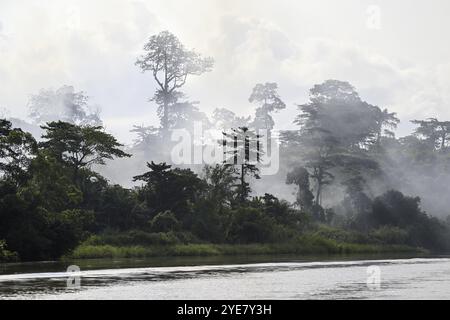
x,y
146,136
415,151
334,91
243,152
357,204
319,156
336,107
435,132
386,122
335,128
80,146
170,64
183,115
300,177
226,119
266,95
64,104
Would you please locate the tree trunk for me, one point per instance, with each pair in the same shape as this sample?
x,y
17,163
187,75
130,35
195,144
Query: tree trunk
x,y
318,193
165,119
243,195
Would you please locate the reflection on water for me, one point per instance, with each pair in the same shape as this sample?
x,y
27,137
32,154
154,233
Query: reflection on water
x,y
235,278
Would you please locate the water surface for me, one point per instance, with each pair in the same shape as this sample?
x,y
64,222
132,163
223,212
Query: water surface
x,y
264,277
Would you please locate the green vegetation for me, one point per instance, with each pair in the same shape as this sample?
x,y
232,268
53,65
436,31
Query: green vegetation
x,y
5,255
344,162
307,244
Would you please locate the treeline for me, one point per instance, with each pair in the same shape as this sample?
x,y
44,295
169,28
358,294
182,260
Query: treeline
x,y
347,164
51,201
344,161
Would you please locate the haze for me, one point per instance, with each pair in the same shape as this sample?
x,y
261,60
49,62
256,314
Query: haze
x,y
403,65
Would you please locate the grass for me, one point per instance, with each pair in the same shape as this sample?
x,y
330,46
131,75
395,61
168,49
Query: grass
x,y
308,244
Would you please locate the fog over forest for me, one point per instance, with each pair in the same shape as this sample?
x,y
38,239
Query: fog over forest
x,y
402,63
92,47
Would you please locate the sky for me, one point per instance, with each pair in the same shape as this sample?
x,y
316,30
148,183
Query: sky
x,y
395,53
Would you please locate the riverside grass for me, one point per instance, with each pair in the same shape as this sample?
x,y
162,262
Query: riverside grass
x,y
305,245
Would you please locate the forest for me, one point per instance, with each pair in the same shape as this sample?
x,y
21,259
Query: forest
x,y
358,188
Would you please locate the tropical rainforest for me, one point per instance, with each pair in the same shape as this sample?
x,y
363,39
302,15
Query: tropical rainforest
x,y
357,187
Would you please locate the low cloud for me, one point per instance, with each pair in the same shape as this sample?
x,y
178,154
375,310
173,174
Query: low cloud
x,y
93,46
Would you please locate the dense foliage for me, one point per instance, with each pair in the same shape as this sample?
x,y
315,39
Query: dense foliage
x,y
344,161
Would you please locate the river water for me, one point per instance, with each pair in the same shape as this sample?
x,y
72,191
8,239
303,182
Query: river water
x,y
237,278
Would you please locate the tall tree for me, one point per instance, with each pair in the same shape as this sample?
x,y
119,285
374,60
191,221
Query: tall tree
x,y
266,95
300,177
243,150
335,127
386,122
80,146
170,64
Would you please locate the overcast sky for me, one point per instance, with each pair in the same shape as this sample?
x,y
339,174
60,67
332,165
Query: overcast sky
x,y
401,61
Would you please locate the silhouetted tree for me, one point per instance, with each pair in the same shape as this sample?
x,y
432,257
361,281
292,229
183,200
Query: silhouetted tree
x,y
386,122
170,189
80,146
242,150
170,64
266,95
300,177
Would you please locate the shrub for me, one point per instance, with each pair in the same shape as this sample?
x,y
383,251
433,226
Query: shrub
x,y
250,225
390,235
6,255
340,235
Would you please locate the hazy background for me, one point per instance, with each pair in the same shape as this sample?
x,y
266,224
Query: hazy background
x,y
403,65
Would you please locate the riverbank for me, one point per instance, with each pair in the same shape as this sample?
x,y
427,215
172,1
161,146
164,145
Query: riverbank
x,y
306,246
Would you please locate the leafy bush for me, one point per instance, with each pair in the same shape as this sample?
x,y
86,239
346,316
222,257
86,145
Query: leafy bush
x,y
390,235
250,225
340,235
6,255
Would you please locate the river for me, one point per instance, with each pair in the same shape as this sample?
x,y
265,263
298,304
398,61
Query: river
x,y
231,278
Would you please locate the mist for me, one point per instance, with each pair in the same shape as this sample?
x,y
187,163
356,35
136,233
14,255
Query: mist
x,y
80,48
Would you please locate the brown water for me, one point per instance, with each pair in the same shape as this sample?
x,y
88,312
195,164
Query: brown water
x,y
257,277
